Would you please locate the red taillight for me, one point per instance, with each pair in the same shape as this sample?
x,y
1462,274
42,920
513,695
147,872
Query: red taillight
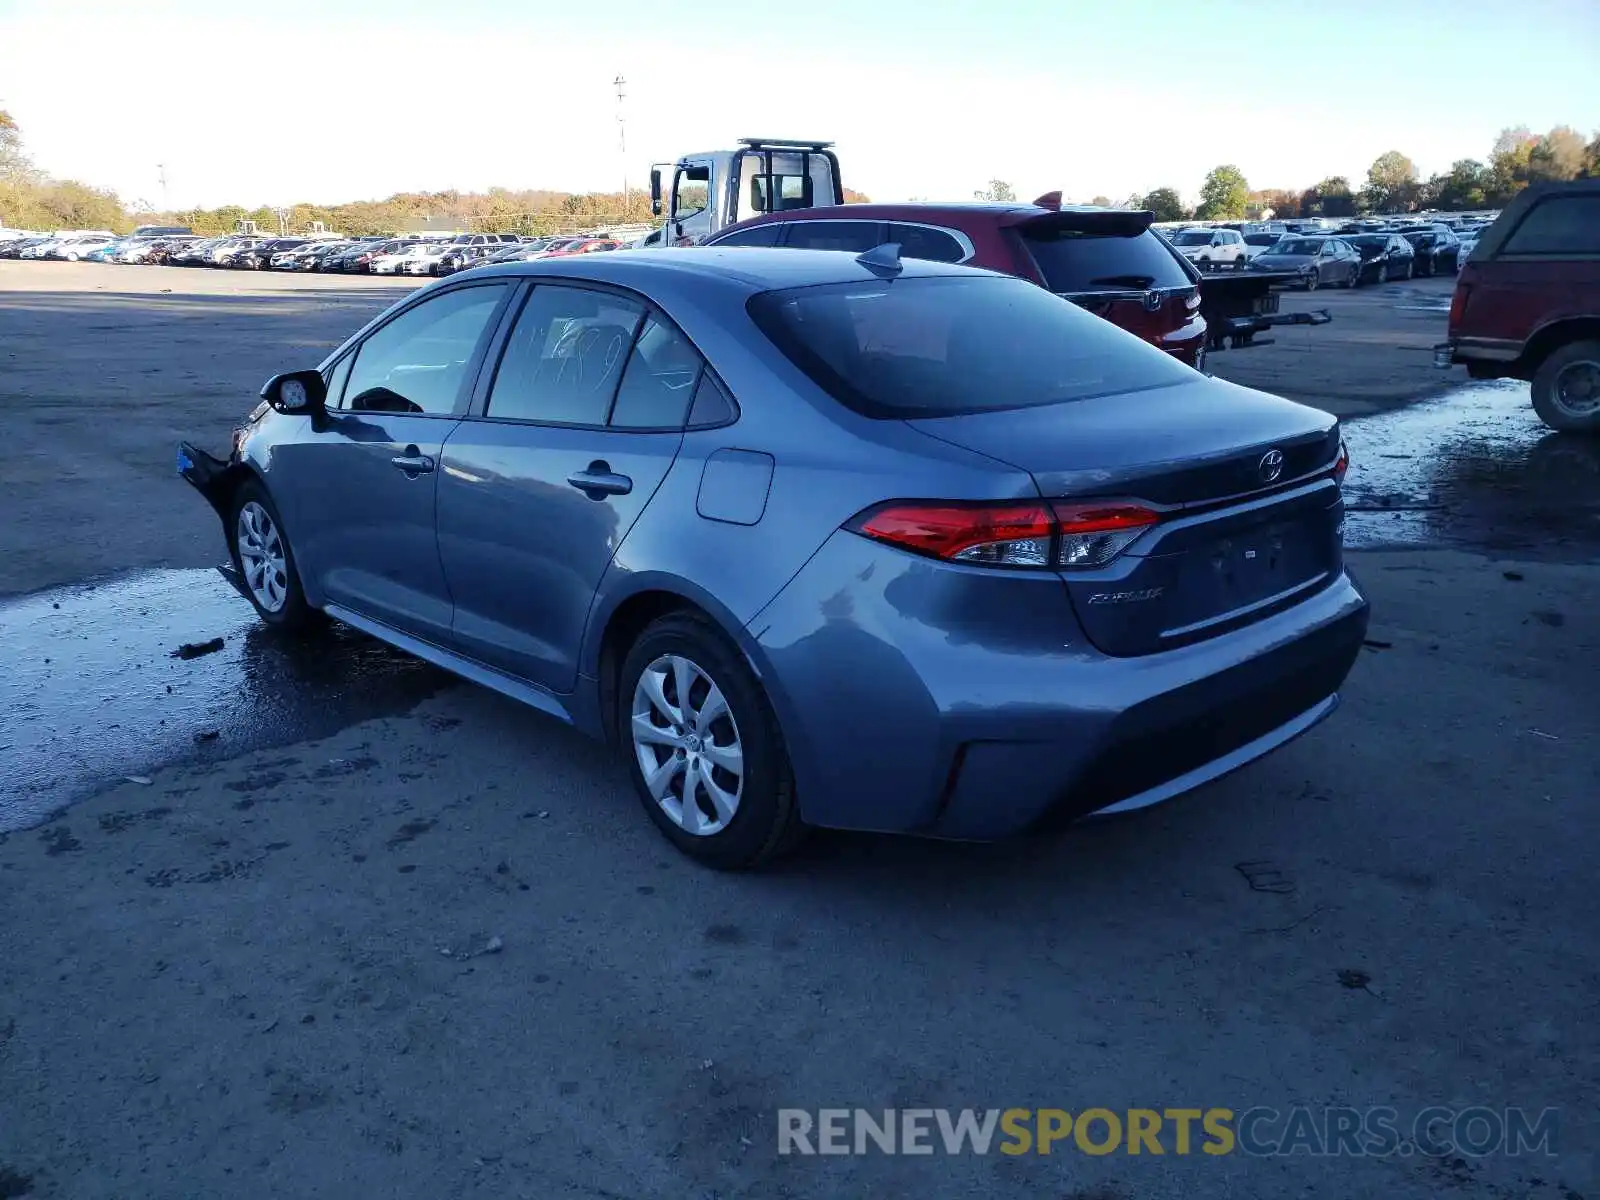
x,y
1040,534
1458,304
1341,465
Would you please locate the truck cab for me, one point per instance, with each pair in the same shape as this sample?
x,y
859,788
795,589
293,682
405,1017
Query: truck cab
x,y
705,193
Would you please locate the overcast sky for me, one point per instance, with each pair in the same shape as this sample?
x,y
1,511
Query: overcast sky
x,y
353,99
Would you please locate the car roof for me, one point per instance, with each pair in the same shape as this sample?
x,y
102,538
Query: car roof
x,y
746,268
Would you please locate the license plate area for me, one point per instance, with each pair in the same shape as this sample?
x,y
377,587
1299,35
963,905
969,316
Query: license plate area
x,y
1243,569
1266,305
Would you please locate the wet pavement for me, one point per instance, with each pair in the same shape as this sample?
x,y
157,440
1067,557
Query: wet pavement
x,y
1475,469
93,693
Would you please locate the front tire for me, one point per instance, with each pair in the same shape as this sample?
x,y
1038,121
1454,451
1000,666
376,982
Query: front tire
x,y
1313,281
265,561
1355,279
1566,388
704,749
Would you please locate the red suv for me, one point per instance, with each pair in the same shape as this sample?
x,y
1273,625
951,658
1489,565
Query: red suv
x,y
1527,303
1106,260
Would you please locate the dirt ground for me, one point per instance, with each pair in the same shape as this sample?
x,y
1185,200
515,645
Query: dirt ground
x,y
436,950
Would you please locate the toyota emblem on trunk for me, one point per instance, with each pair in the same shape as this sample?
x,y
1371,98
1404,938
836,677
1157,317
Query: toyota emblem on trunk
x,y
1271,466
1152,301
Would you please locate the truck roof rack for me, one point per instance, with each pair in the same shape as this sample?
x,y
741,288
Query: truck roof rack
x,y
784,143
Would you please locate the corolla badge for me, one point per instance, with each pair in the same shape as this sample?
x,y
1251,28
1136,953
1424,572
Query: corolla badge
x,y
1270,466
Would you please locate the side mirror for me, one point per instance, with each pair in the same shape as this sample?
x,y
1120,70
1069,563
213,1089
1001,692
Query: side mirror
x,y
655,191
296,392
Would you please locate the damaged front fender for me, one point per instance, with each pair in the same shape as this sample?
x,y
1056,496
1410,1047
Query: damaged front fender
x,y
213,477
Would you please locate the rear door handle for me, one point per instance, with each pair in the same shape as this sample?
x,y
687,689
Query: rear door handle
x,y
412,462
600,481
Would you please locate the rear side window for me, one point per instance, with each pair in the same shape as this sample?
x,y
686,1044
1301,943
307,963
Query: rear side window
x,y
943,345
565,357
834,235
659,381
756,235
1558,225
920,241
1071,261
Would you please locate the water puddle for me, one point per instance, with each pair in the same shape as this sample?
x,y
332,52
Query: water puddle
x,y
92,693
1474,468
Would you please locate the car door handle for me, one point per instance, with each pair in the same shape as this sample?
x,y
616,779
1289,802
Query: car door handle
x,y
413,462
600,481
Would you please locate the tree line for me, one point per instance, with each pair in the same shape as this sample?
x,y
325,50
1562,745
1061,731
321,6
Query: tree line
x,y
1518,158
30,199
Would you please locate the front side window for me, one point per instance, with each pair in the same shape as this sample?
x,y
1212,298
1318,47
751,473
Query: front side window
x,y
417,363
937,346
693,190
565,357
756,235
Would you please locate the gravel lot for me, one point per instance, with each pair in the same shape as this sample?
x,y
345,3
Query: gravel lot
x,y
263,967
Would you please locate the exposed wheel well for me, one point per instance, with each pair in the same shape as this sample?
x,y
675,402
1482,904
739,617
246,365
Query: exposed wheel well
x,y
1551,338
630,619
220,491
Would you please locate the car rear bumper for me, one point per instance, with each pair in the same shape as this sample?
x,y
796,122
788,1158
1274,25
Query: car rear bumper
x,y
907,711
1477,351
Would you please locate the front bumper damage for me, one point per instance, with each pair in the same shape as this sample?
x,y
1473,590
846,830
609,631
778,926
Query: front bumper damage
x,y
213,477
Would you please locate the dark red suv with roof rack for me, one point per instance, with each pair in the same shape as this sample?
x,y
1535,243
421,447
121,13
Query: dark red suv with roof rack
x,y
1109,261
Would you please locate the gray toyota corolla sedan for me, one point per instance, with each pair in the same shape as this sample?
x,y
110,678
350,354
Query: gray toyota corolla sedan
x,y
814,538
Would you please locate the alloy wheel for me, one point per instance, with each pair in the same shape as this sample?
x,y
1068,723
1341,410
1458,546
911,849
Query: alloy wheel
x,y
687,744
262,557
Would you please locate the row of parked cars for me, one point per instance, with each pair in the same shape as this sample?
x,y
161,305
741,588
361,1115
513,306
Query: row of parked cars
x,y
418,255
1349,256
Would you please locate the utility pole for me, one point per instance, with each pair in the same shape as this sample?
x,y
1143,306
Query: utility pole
x,y
166,202
622,139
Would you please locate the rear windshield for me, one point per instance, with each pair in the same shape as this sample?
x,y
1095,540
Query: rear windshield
x,y
944,345
1071,261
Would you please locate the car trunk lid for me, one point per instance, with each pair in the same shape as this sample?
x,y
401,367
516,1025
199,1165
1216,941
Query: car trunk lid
x,y
1250,512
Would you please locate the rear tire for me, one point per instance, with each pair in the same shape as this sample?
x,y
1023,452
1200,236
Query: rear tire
x,y
719,785
265,562
1566,388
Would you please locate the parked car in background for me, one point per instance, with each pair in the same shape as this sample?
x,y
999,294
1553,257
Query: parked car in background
x,y
71,249
1062,572
584,245
358,258
1206,247
1384,256
1316,260
1469,243
257,256
1437,250
1108,261
1527,303
392,261
156,250
424,259
1256,244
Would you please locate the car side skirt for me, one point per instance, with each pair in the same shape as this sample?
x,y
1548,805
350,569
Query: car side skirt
x,y
574,709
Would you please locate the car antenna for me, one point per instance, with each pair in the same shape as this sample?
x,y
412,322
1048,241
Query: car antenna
x,y
883,260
